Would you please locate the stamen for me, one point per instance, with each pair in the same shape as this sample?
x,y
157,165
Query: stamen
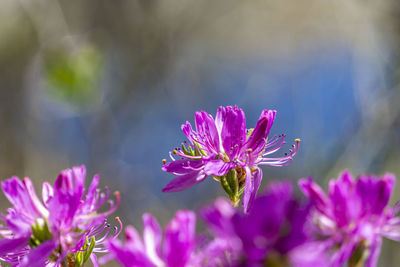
x,y
120,227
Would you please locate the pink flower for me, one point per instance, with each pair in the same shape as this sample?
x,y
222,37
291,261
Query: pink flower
x,y
43,232
353,217
226,150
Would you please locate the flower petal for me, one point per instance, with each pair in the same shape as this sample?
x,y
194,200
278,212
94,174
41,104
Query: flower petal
x,y
183,166
257,182
220,118
188,131
38,256
316,195
258,137
68,190
374,193
179,238
152,238
182,182
93,258
248,190
374,251
233,131
207,131
127,256
217,167
345,205
12,245
47,193
22,196
218,218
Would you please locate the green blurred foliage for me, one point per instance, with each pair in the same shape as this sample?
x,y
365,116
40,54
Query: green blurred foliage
x,y
74,76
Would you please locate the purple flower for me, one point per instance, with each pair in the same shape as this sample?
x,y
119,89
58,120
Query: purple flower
x,y
148,251
353,217
275,227
226,150
64,223
225,247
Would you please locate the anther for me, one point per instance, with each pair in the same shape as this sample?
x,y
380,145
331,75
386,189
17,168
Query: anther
x,y
164,161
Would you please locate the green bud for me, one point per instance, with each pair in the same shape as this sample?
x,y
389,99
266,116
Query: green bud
x,y
230,184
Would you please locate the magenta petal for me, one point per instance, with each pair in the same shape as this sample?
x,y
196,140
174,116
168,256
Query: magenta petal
x,y
38,256
179,239
79,182
374,193
310,254
257,182
233,132
374,251
248,190
22,196
207,130
257,138
182,166
93,258
12,245
133,239
68,190
217,167
127,256
152,236
188,131
316,195
182,182
344,202
219,218
219,118
47,193
341,255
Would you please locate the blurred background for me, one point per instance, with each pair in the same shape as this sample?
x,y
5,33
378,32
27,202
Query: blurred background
x,y
109,83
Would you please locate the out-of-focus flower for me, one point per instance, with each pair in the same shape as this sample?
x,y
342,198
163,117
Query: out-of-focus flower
x,y
351,220
225,247
267,236
178,243
226,150
62,229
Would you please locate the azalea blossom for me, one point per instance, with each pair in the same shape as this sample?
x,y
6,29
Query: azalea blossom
x,y
353,217
61,229
155,249
225,149
268,235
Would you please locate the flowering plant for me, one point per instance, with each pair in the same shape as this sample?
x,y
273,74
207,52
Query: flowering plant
x,y
225,149
62,229
344,227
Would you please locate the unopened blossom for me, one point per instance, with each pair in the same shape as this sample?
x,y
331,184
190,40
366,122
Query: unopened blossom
x,y
274,228
225,149
155,249
353,217
61,229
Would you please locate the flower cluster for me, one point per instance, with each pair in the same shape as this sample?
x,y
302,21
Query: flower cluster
x,y
225,149
62,228
280,230
343,227
173,249
351,220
